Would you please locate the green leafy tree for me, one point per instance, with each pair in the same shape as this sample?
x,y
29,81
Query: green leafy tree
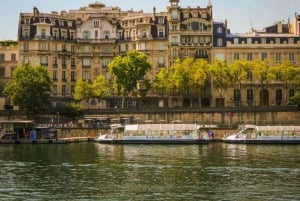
x,y
197,75
71,110
161,81
220,76
101,87
83,90
127,71
30,88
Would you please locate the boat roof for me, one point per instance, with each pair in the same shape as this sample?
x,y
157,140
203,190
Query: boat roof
x,y
15,121
275,128
160,127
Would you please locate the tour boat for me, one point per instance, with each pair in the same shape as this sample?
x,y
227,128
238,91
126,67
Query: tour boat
x,y
24,131
255,134
173,133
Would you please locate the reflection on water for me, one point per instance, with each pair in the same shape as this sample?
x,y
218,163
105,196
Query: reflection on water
x,y
91,171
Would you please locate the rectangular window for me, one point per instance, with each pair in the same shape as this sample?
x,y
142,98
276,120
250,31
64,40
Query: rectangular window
x,y
161,61
96,23
174,53
236,56
161,46
26,60
54,91
219,42
291,57
174,40
72,89
105,62
26,33
25,46
142,46
96,33
161,33
86,62
237,97
73,76
43,46
263,56
54,75
86,75
63,76
63,62
72,48
250,97
161,20
219,30
278,57
55,34
63,90
72,62
54,61
278,97
63,47
2,57
2,71
44,60
13,57
249,56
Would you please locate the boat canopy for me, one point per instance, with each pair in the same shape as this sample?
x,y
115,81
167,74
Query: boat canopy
x,y
160,127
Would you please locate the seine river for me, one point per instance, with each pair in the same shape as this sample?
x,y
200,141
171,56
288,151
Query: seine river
x,y
92,171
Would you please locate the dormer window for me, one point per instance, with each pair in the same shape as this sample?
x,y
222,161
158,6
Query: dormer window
x,y
42,20
43,33
161,20
27,21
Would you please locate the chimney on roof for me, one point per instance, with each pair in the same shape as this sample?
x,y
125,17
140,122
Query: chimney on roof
x,y
36,12
279,27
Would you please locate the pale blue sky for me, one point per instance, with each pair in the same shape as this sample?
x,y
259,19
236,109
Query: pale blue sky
x,y
241,14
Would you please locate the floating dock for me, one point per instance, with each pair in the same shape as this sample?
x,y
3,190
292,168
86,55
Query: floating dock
x,y
48,141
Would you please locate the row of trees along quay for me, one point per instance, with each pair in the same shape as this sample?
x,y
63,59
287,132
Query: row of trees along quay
x,y
30,88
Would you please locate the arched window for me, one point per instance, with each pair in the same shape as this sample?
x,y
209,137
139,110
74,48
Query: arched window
x,y
86,35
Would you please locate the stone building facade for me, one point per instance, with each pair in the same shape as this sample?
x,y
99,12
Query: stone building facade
x,y
276,44
79,44
9,55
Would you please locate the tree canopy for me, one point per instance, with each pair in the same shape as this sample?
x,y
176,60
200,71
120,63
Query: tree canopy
x,y
30,88
85,90
127,71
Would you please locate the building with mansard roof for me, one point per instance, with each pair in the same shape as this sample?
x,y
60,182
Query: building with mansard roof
x,y
79,44
276,43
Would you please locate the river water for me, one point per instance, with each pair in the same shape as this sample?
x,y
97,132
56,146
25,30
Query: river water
x,y
92,171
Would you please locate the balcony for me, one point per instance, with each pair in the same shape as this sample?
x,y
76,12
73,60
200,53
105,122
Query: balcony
x,y
65,53
85,54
